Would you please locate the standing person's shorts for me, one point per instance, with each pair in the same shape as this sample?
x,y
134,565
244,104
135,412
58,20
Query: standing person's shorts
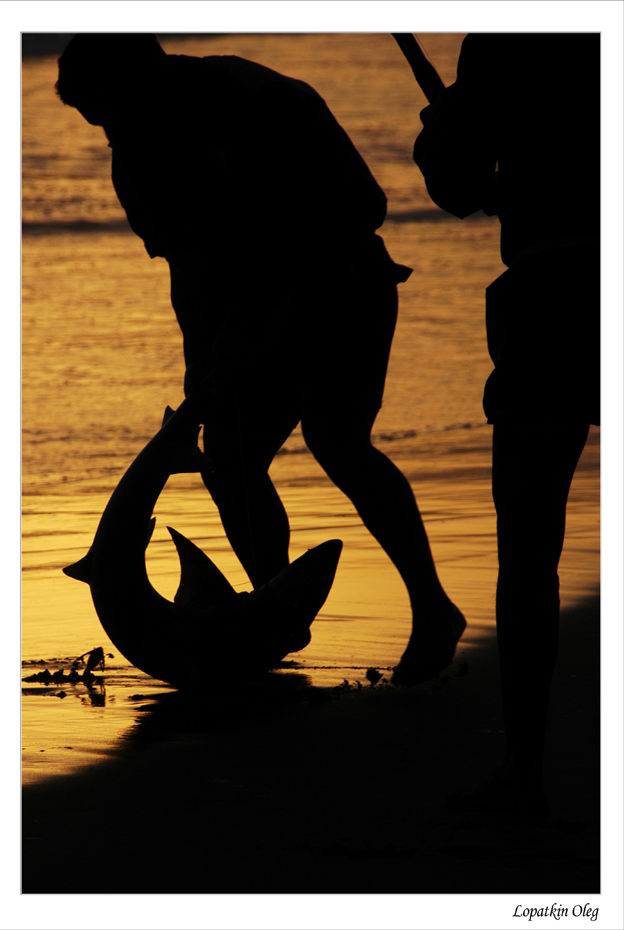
x,y
543,326
316,345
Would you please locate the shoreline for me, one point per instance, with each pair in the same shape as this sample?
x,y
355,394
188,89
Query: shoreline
x,y
279,787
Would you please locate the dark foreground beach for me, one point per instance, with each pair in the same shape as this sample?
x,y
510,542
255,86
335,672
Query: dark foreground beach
x,y
279,787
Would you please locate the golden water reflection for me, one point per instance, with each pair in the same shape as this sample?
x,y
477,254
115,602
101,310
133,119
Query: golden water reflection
x,y
365,622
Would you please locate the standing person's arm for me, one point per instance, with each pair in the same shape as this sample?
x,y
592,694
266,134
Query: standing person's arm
x,y
455,151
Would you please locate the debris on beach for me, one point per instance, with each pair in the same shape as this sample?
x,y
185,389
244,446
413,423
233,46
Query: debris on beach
x,y
72,677
373,676
92,659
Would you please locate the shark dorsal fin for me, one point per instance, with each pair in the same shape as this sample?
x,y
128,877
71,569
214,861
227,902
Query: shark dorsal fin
x,y
202,585
169,412
81,570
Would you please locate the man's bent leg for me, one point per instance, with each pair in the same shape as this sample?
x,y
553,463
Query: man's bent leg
x,y
386,504
337,424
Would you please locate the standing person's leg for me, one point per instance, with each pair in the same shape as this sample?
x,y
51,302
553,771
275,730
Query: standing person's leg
x,y
532,471
543,335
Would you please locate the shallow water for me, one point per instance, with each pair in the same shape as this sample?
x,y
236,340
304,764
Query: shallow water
x,y
102,357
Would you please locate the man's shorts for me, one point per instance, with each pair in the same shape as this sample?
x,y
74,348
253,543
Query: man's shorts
x,y
315,345
543,326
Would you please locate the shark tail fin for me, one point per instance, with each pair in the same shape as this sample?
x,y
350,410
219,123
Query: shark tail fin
x,y
80,570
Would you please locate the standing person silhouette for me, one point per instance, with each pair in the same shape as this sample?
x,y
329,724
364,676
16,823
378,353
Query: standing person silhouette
x,y
242,179
518,136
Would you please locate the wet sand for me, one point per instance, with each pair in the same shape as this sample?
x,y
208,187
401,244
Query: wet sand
x,y
276,786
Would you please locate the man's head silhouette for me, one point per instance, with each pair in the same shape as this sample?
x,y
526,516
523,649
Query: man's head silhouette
x,y
100,71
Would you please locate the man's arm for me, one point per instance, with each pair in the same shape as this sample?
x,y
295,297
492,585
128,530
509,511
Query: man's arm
x,y
455,150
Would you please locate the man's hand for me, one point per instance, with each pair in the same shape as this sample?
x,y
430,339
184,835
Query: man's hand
x,y
453,154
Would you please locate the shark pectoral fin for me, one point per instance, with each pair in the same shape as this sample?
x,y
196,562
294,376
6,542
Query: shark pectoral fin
x,y
81,570
202,585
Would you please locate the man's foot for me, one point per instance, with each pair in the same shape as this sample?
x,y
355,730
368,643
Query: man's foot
x,y
430,651
505,797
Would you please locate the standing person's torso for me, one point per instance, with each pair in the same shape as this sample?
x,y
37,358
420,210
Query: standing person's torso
x,y
540,102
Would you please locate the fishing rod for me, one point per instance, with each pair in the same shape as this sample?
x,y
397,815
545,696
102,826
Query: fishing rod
x,y
426,75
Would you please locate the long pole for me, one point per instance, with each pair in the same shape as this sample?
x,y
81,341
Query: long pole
x,y
426,75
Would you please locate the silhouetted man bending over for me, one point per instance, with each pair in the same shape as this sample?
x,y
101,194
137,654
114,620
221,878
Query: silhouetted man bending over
x,y
287,299
518,135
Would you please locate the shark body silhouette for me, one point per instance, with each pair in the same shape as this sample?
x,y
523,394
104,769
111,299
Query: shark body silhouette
x,y
208,621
